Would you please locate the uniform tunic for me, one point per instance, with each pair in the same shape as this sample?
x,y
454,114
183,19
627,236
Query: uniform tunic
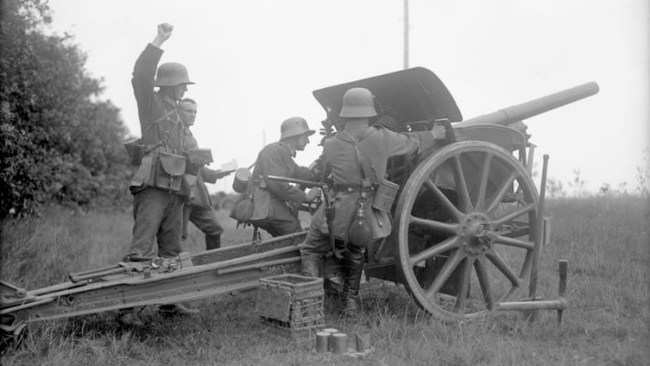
x,y
280,216
377,145
199,209
157,212
152,106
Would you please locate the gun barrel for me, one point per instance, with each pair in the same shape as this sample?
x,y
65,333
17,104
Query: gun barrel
x,y
534,107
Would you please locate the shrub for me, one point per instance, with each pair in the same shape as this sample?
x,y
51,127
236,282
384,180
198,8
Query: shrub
x,y
60,141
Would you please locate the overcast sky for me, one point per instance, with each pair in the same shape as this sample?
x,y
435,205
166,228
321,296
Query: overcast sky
x,y
257,62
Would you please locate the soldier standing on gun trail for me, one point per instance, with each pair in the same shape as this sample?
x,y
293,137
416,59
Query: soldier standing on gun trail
x,y
156,186
355,160
198,207
276,203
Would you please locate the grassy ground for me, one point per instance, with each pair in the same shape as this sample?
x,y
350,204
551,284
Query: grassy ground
x,y
608,322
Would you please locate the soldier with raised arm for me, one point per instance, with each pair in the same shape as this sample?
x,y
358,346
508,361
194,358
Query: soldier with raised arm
x,y
156,187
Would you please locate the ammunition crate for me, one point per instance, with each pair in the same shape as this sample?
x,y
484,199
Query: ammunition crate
x,y
292,305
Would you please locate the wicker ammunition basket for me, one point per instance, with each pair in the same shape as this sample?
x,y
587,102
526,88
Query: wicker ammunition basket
x,y
292,305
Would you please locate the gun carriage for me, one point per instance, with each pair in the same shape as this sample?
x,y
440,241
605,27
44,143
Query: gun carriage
x,y
468,220
467,233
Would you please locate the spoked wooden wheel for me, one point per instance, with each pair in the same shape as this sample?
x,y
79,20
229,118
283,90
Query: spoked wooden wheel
x,y
465,226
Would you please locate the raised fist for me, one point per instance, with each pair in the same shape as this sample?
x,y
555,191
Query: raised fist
x,y
165,30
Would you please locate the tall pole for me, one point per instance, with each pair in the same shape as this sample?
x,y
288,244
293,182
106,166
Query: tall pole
x,y
406,34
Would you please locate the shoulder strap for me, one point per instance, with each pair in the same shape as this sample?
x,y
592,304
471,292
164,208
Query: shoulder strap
x,y
166,135
367,169
156,122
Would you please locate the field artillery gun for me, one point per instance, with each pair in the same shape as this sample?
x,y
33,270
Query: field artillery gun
x,y
467,233
468,215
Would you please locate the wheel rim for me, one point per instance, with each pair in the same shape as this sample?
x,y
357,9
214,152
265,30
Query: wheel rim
x,y
466,230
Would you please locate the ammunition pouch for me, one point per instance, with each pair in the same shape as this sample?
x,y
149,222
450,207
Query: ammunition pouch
x,y
385,195
135,151
160,170
167,172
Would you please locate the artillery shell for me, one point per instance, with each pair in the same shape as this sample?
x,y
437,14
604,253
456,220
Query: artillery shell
x,y
322,341
340,342
363,342
330,345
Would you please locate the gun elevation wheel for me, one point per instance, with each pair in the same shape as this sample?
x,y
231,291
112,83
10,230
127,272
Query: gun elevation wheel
x,y
465,226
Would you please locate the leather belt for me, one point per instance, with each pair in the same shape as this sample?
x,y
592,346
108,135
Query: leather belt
x,y
352,188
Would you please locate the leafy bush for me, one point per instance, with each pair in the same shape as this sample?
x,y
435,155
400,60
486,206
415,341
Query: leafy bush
x,y
60,142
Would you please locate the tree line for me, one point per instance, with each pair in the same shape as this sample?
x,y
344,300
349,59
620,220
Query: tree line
x,y
60,141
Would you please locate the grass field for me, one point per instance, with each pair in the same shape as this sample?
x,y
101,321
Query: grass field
x,y
605,240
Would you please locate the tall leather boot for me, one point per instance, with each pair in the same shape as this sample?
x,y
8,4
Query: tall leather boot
x,y
212,242
310,264
352,268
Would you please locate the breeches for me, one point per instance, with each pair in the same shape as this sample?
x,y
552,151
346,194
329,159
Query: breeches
x,y
319,244
280,227
158,216
203,217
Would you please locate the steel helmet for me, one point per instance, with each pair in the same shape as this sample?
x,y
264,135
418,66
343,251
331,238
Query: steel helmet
x,y
172,74
358,103
294,126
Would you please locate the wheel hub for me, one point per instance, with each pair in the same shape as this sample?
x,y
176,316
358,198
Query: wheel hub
x,y
476,233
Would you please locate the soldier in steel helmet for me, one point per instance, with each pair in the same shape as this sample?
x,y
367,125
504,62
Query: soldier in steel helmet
x,y
355,160
156,186
276,203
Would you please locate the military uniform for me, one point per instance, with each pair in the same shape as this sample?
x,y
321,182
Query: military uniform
x,y
198,208
356,160
157,186
377,144
156,210
278,214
